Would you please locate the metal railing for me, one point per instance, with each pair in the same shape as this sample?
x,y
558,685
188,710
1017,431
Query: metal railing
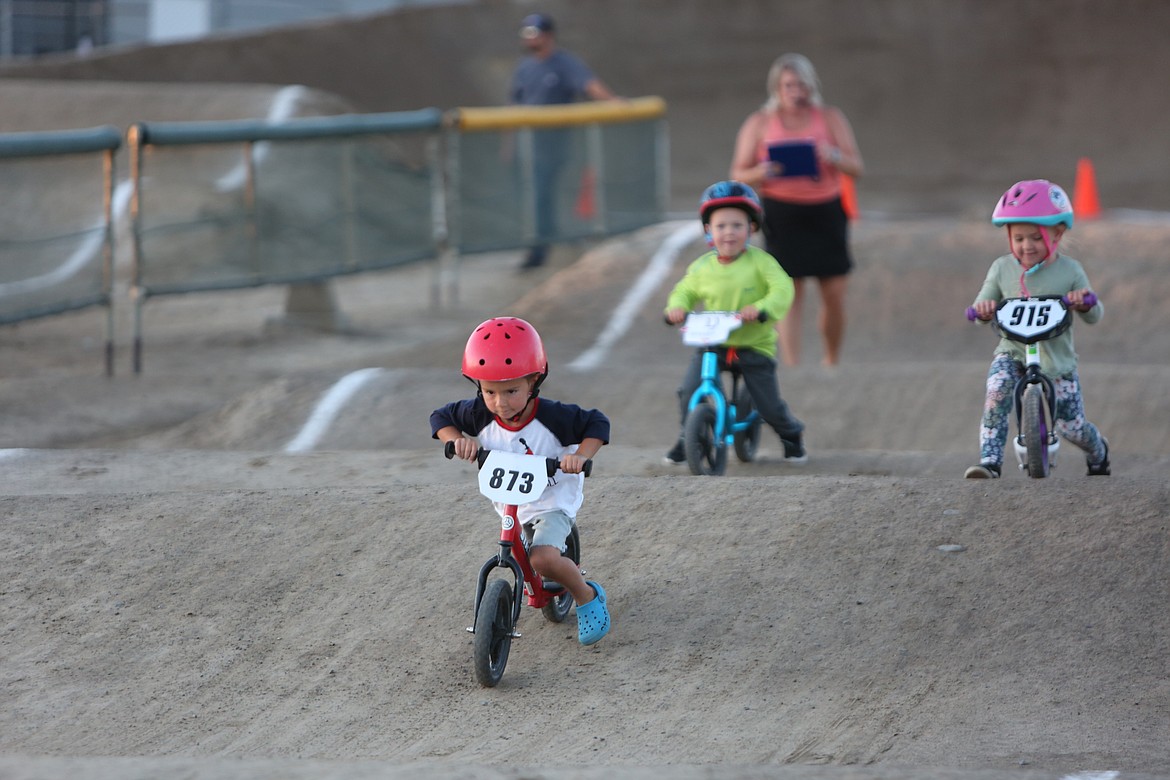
x,y
235,204
305,200
57,257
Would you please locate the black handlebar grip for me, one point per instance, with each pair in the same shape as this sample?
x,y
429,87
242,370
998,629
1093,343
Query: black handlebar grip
x,y
481,456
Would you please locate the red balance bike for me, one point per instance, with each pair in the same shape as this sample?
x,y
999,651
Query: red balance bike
x,y
513,479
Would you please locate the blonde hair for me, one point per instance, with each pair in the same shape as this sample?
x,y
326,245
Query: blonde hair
x,y
802,68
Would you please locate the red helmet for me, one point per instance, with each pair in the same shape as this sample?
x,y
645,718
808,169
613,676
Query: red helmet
x,y
504,348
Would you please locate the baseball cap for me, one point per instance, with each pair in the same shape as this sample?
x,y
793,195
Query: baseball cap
x,y
535,24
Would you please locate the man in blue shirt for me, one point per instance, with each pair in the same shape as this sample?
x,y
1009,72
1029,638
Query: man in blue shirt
x,y
549,75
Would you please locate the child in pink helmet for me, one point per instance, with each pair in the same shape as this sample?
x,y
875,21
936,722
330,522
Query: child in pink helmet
x,y
505,359
1036,215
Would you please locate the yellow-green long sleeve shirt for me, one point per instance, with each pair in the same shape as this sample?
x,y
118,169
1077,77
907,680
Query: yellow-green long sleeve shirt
x,y
752,278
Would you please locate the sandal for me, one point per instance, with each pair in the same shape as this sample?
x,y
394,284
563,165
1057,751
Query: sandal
x,y
592,618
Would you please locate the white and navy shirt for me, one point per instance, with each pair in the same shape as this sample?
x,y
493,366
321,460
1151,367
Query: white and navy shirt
x,y
555,430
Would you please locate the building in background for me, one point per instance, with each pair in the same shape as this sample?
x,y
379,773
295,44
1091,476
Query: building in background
x,y
32,27
29,28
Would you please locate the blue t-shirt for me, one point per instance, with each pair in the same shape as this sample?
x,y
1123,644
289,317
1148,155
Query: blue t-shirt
x,y
561,78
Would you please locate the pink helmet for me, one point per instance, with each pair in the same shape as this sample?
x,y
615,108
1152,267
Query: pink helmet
x,y
504,348
1036,201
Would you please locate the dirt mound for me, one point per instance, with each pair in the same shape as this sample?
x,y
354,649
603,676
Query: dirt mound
x,y
181,595
762,621
235,609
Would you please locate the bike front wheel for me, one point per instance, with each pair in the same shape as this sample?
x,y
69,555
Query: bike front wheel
x,y
706,455
493,632
1035,425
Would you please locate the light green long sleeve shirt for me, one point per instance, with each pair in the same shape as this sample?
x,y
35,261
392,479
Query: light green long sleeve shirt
x,y
752,278
1061,276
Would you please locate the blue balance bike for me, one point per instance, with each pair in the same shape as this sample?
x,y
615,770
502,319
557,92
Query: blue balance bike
x,y
715,424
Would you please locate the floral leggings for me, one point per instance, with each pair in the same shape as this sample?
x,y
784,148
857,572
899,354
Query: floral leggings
x,y
1070,412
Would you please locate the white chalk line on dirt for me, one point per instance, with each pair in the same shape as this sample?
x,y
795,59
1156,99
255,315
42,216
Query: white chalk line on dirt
x,y
650,280
328,408
284,105
660,264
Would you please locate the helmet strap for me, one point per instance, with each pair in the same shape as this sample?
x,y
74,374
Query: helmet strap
x,y
520,414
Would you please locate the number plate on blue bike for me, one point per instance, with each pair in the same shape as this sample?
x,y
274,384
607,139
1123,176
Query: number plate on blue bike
x,y
1029,320
512,477
709,328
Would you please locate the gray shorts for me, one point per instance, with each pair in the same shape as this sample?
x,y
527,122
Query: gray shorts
x,y
550,528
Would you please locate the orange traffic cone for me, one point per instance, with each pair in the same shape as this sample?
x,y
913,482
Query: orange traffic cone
x,y
1086,204
849,197
586,196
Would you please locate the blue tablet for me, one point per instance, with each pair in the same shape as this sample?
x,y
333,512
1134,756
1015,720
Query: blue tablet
x,y
797,158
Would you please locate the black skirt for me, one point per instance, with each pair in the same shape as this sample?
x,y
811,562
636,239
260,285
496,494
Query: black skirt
x,y
808,239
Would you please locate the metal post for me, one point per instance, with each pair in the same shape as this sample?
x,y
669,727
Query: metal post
x,y
350,205
595,158
135,139
108,254
449,255
438,218
252,228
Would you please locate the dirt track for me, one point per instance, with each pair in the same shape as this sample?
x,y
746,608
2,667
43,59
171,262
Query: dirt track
x,y
179,589
180,595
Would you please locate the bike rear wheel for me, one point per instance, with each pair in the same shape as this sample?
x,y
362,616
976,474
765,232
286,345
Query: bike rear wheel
x,y
747,441
705,454
493,632
558,609
1035,425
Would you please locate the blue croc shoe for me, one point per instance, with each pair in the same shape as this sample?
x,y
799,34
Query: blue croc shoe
x,y
592,618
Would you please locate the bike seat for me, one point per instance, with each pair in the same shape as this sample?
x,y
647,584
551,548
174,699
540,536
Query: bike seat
x,y
731,361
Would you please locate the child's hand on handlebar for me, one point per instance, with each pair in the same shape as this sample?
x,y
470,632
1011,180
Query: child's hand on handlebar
x,y
573,463
1081,300
749,313
676,315
465,448
984,310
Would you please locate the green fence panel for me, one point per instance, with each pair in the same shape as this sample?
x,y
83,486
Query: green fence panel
x,y
237,204
56,236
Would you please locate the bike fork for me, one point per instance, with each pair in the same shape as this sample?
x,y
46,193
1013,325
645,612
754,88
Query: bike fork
x,y
1033,376
709,389
503,560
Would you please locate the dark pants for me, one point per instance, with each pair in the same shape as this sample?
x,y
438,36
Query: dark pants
x,y
759,376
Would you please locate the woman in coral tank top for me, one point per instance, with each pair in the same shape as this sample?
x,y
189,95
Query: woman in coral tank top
x,y
805,225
